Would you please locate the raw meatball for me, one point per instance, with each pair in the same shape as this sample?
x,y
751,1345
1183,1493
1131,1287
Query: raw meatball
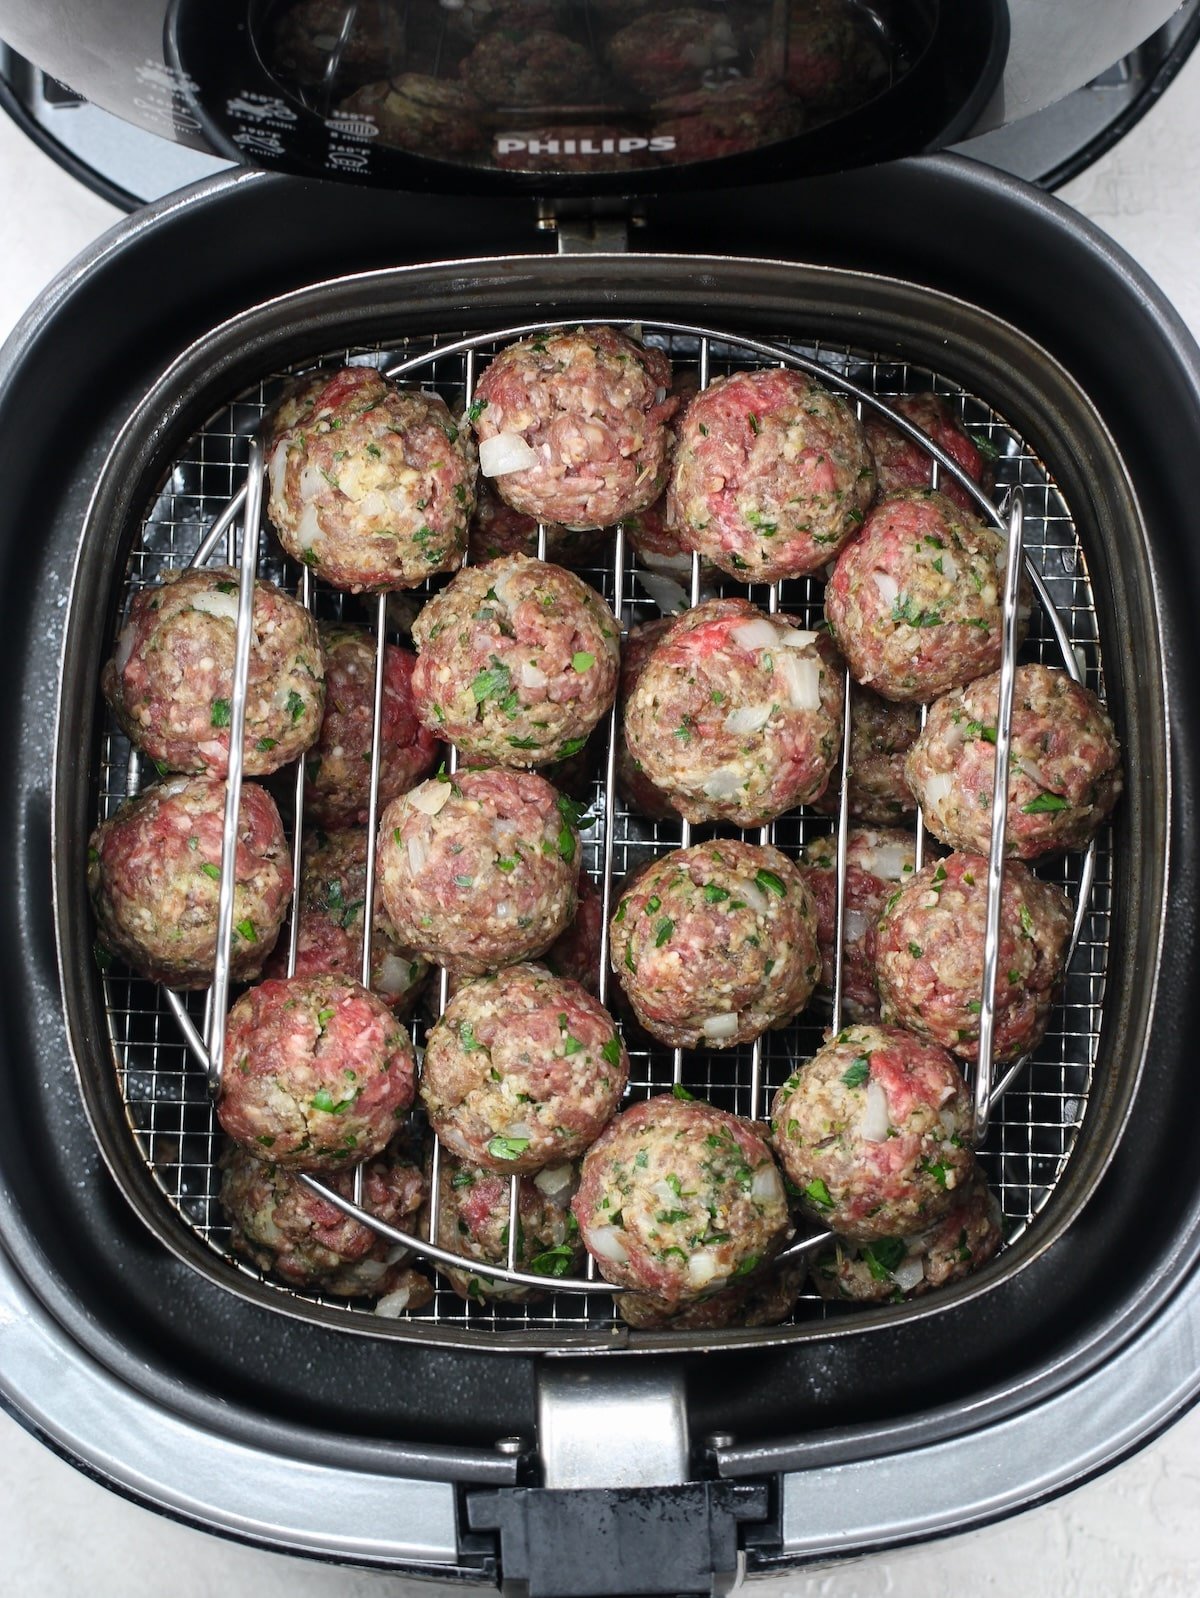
x,y
154,875
170,683
915,602
338,775
764,1300
371,485
737,716
726,118
517,662
929,955
496,529
524,1070
433,116
639,793
825,54
772,475
283,1227
473,1215
480,871
716,943
364,40
528,68
897,1268
873,1132
670,52
576,954
333,885
876,861
678,1199
903,464
881,733
317,1072
1064,768
571,425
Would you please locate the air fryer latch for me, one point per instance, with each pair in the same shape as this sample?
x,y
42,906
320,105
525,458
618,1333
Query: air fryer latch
x,y
590,226
619,1511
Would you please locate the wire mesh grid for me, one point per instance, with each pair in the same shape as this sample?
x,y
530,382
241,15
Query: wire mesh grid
x,y
1034,1126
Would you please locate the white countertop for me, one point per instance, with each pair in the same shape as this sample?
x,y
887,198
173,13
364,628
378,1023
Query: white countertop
x,y
1133,1532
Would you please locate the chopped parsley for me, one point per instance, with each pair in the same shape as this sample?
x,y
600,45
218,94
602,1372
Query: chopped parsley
x,y
663,932
210,870
552,1261
714,893
883,1256
222,713
906,610
246,931
680,1092
295,706
770,883
819,1193
612,1051
1046,804
571,747
507,1148
857,1072
582,660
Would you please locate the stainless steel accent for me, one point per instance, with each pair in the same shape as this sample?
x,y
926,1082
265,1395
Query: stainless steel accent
x,y
588,1417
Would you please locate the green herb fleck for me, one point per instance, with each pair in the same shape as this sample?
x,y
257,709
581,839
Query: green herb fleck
x,y
507,1148
680,1092
210,870
222,714
664,930
770,883
857,1072
819,1193
582,660
1046,804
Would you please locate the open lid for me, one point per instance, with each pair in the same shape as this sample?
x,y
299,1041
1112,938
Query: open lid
x,y
572,96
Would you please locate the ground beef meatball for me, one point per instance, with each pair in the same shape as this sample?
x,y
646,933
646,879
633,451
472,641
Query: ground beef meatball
x,y
496,529
517,662
283,1227
737,716
431,116
170,683
528,68
333,885
480,871
903,464
473,1221
154,875
765,1300
881,734
524,1070
1064,769
929,955
896,1268
876,862
772,475
678,1199
873,1133
576,954
317,1072
726,118
571,425
364,40
669,52
639,793
371,485
825,55
915,602
716,943
337,789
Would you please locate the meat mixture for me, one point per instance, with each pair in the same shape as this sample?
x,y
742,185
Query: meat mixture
x,y
881,733
524,1070
772,475
517,662
528,68
678,1199
669,52
318,1072
637,790
737,716
412,111
309,34
825,54
760,1300
337,789
572,426
929,955
333,885
154,875
1064,769
285,1228
371,485
725,118
170,682
496,529
479,871
576,954
473,1219
715,943
903,464
896,1268
915,603
873,1133
876,861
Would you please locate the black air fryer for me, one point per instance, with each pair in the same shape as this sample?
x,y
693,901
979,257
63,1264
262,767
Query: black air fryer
x,y
413,183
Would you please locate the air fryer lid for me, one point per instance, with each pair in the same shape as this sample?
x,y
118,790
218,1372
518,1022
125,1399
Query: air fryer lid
x,y
596,95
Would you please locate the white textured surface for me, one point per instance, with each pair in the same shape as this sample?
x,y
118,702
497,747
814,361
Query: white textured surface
x,y
1135,1532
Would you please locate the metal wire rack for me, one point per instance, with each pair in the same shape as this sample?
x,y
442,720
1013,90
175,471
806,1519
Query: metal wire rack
x,y
1034,1125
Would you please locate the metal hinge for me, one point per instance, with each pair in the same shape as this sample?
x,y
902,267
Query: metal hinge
x,y
591,226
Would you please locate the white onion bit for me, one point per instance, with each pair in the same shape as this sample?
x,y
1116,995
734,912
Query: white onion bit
x,y
754,635
795,638
532,676
605,1243
889,588
430,797
724,783
418,853
747,718
767,1187
506,452
854,925
873,1127
937,790
909,1274
392,1305
802,677
556,1181
666,594
754,897
223,606
892,861
720,1026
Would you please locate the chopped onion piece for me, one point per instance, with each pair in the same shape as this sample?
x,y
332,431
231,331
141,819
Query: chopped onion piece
x,y
664,1193
873,1127
724,783
395,1254
532,676
889,588
418,853
605,1243
909,1274
518,1129
937,789
795,637
754,897
394,976
802,677
311,481
124,648
504,453
666,594
756,634
721,1026
667,564
308,528
854,925
893,861
223,606
704,1268
392,1305
949,565
747,718
767,1186
430,797
556,1181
